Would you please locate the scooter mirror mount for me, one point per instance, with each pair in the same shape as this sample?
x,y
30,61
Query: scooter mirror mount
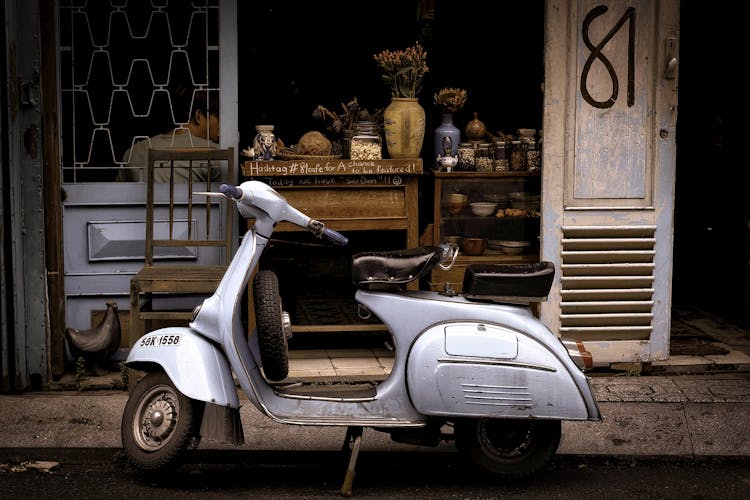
x,y
450,254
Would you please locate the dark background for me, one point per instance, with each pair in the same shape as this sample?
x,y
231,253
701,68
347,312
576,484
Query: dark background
x,y
712,208
296,55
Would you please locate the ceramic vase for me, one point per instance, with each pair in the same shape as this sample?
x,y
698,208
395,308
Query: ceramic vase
x,y
446,129
475,129
403,127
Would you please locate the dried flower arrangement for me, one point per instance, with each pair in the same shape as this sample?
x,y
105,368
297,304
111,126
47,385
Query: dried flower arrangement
x,y
450,100
403,70
351,113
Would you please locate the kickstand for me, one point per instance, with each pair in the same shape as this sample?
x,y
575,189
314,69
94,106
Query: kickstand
x,y
353,438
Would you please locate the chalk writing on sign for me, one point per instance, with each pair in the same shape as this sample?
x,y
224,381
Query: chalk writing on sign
x,y
345,180
278,168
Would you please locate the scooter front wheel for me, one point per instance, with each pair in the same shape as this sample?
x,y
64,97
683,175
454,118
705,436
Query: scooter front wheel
x,y
159,423
508,449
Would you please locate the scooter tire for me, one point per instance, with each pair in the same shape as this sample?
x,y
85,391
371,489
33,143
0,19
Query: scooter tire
x,y
159,424
508,449
272,340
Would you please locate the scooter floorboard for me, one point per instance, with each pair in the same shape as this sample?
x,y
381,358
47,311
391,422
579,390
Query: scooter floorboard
x,y
358,390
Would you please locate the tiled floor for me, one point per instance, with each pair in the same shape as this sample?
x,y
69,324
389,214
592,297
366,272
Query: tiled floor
x,y
320,365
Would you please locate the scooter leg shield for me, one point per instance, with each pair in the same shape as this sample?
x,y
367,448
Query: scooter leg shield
x,y
198,369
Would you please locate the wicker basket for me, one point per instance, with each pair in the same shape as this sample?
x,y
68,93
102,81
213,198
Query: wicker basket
x,y
284,156
291,154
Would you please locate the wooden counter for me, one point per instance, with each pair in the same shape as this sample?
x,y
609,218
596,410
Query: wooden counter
x,y
348,195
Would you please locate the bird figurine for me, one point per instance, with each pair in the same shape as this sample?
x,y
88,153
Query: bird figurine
x,y
96,345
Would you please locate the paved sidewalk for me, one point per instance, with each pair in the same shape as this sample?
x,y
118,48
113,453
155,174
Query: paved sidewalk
x,y
657,416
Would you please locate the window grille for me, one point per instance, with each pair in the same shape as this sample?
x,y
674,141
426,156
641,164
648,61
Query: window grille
x,y
130,70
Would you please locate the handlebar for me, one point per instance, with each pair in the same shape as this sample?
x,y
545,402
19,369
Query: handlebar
x,y
275,206
229,190
335,237
321,231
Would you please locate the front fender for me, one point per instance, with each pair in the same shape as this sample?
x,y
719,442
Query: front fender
x,y
197,367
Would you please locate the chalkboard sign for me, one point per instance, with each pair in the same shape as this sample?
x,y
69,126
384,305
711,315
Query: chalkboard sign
x,y
336,167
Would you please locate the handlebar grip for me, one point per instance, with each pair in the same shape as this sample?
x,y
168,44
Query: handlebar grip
x,y
230,190
335,237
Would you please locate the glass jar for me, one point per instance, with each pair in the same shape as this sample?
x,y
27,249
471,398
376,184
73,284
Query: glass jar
x,y
500,157
465,157
346,142
264,143
533,156
483,157
366,143
517,157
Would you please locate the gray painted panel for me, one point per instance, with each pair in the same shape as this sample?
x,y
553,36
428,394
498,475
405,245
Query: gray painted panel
x,y
123,240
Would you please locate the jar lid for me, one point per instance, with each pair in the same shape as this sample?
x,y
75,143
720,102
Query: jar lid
x,y
366,126
264,128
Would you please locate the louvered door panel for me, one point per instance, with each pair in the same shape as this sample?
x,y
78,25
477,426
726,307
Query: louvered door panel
x,y
600,268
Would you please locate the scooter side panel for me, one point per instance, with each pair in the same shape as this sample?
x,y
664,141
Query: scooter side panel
x,y
197,367
484,370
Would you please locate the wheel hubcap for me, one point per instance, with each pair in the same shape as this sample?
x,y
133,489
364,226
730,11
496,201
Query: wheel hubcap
x,y
286,324
159,416
506,440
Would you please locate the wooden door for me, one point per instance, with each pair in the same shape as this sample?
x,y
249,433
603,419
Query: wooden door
x,y
609,173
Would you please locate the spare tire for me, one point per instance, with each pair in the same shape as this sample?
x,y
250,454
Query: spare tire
x,y
269,321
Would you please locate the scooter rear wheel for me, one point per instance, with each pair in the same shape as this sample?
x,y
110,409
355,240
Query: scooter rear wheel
x,y
508,449
269,323
159,423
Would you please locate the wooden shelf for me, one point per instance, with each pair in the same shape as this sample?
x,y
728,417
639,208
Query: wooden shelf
x,y
502,228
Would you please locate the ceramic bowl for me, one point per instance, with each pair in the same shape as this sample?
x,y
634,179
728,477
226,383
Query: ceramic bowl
x,y
474,246
524,196
456,207
483,208
453,239
513,247
496,197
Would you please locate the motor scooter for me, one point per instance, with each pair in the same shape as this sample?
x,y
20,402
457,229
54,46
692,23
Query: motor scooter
x,y
476,367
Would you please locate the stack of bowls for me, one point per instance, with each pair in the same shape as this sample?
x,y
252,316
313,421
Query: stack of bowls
x,y
499,198
508,247
525,200
456,203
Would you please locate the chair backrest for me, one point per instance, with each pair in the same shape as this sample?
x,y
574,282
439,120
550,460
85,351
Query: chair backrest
x,y
180,223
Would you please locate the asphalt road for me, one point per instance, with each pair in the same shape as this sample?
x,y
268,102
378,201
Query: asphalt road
x,y
384,475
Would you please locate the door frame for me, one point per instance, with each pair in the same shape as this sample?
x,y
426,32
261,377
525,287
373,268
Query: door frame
x,y
53,201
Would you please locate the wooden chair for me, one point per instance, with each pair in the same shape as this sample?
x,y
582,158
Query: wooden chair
x,y
189,242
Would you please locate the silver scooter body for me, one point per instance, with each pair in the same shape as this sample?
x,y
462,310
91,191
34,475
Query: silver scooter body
x,y
453,357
